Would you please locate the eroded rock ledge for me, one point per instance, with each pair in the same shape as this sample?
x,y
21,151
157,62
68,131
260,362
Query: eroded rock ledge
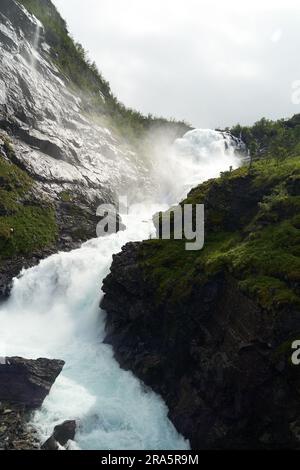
x,y
24,384
215,362
212,331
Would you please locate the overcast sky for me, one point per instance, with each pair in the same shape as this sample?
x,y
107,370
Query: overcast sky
x,y
212,63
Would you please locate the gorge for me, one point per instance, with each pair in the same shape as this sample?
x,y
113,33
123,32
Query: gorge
x,y
188,349
53,311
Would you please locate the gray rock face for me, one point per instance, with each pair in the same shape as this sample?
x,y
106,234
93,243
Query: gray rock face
x,y
61,435
27,382
55,140
77,162
24,384
64,432
214,359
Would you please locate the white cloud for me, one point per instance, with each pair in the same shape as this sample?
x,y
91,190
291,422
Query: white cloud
x,y
208,61
276,36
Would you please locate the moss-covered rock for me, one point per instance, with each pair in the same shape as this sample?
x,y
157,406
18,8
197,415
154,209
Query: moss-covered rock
x,y
252,233
25,224
212,330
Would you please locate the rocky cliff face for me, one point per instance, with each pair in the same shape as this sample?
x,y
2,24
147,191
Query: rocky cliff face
x,y
62,126
50,130
211,331
24,384
55,138
27,382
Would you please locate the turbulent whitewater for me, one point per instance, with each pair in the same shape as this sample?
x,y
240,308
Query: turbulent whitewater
x,y
54,312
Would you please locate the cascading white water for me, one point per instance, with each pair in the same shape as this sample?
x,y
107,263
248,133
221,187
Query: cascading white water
x,y
201,154
35,45
54,312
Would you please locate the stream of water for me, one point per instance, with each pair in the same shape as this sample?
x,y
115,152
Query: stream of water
x,y
54,312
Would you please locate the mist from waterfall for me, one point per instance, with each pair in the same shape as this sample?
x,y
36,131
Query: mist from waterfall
x,y
199,155
54,312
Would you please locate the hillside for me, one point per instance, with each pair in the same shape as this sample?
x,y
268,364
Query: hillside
x,y
206,335
74,63
271,139
211,331
67,135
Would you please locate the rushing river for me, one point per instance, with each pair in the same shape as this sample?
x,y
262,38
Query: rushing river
x,y
54,312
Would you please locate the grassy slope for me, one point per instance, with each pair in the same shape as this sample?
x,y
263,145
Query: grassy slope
x,y
252,232
24,226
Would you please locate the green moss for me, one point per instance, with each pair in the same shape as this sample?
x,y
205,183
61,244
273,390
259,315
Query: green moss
x,y
174,270
199,194
270,292
13,178
273,250
269,172
30,229
65,196
169,266
24,227
8,148
5,232
261,250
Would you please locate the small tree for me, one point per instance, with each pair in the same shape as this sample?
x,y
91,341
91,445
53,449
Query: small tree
x,y
253,149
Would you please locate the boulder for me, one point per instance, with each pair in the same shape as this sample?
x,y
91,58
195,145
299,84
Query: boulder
x,y
27,382
24,384
65,432
50,444
61,435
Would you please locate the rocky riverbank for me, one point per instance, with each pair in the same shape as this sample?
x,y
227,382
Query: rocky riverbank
x,y
211,331
24,384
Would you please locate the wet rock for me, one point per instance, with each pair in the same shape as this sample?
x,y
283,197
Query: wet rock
x,y
61,435
213,358
55,139
24,384
27,382
65,432
50,444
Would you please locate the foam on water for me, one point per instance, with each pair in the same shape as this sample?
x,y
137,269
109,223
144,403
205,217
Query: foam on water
x,y
199,155
54,312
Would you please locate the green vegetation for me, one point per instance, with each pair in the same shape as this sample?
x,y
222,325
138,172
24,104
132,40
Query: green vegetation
x,y
271,139
72,60
27,230
252,214
69,56
65,196
255,239
24,226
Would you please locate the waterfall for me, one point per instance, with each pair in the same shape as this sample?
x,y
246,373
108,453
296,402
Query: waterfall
x,y
35,45
199,155
54,312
